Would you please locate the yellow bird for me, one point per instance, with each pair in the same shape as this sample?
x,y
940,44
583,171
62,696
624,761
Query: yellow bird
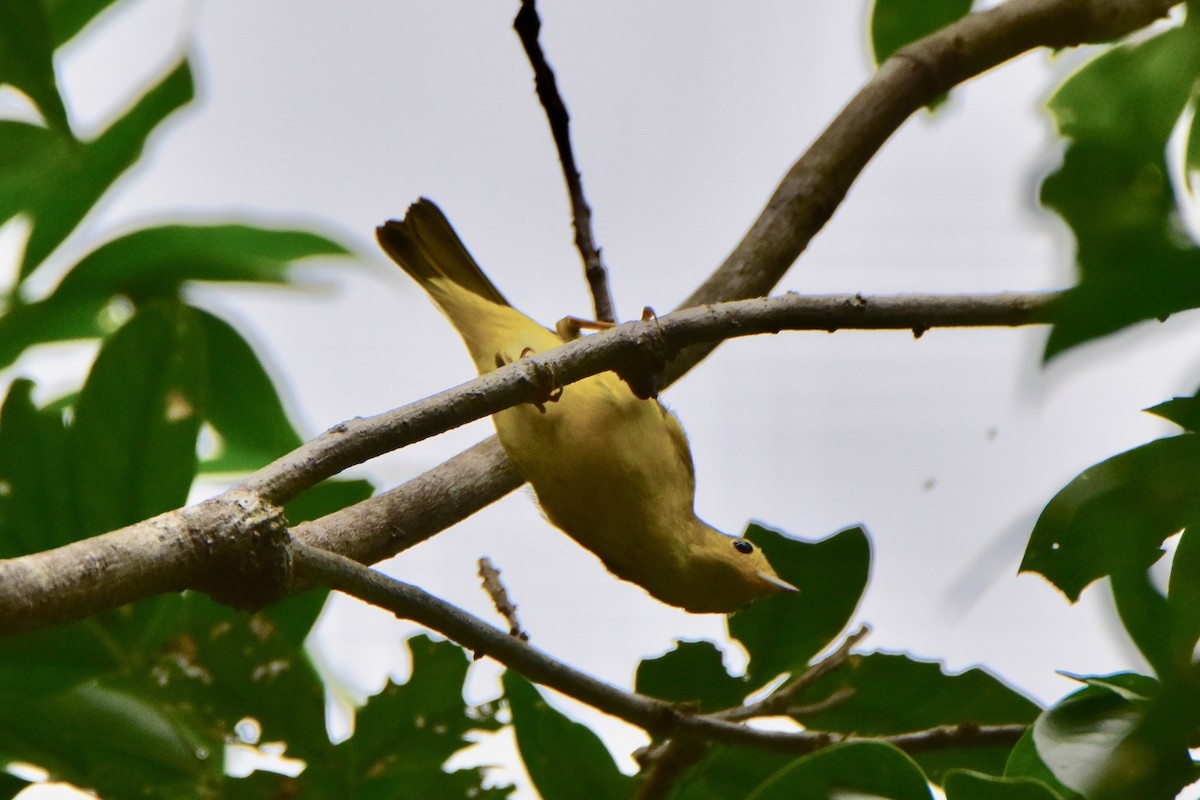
x,y
612,471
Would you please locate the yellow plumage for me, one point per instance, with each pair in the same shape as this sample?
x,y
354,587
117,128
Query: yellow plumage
x,y
612,471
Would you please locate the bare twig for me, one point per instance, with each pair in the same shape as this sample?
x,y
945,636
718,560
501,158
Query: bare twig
x,y
504,606
528,25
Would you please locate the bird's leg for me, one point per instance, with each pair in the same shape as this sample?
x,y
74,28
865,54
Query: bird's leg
x,y
545,379
568,328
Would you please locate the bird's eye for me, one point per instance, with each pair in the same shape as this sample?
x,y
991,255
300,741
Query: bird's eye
x,y
742,546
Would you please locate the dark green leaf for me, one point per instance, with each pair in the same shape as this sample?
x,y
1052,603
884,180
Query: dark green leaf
x,y
1183,411
132,447
25,153
565,759
1147,618
325,498
963,785
1114,192
895,23
784,632
857,770
69,17
70,186
36,503
884,688
1129,685
1183,594
727,772
11,785
51,320
1024,762
1115,515
153,262
1078,738
406,732
691,673
42,662
27,58
245,410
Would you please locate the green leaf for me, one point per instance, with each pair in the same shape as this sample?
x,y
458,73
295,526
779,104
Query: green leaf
x,y
406,732
784,632
52,320
1183,595
1078,738
11,785
325,498
25,152
71,186
154,262
1116,514
964,785
1114,192
27,58
1147,618
895,23
36,502
1183,411
727,772
884,688
1024,762
856,770
67,18
245,409
111,738
564,759
692,672
132,447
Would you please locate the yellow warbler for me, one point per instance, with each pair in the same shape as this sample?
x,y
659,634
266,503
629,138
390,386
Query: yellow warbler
x,y
612,471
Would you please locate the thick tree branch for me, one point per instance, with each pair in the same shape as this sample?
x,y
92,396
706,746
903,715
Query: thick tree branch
x,y
85,577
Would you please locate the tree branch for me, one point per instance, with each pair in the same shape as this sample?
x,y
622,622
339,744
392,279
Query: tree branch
x,y
657,717
175,550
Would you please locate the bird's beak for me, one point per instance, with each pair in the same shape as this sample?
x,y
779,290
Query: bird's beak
x,y
778,582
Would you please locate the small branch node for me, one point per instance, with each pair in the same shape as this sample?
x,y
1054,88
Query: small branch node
x,y
500,599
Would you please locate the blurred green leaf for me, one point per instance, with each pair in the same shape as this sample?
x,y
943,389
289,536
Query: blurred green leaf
x,y
1183,411
70,186
25,151
727,772
408,731
51,320
692,672
1148,620
11,785
784,632
895,23
1025,763
132,447
36,502
27,58
855,770
245,410
1183,595
1116,514
565,759
883,702
154,262
66,18
963,785
1114,191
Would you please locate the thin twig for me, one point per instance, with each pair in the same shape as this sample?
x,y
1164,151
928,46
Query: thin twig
x,y
504,606
528,25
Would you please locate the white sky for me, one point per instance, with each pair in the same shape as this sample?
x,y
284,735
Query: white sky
x,y
685,115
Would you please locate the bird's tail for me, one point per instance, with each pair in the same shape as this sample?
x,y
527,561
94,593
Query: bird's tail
x,y
427,248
